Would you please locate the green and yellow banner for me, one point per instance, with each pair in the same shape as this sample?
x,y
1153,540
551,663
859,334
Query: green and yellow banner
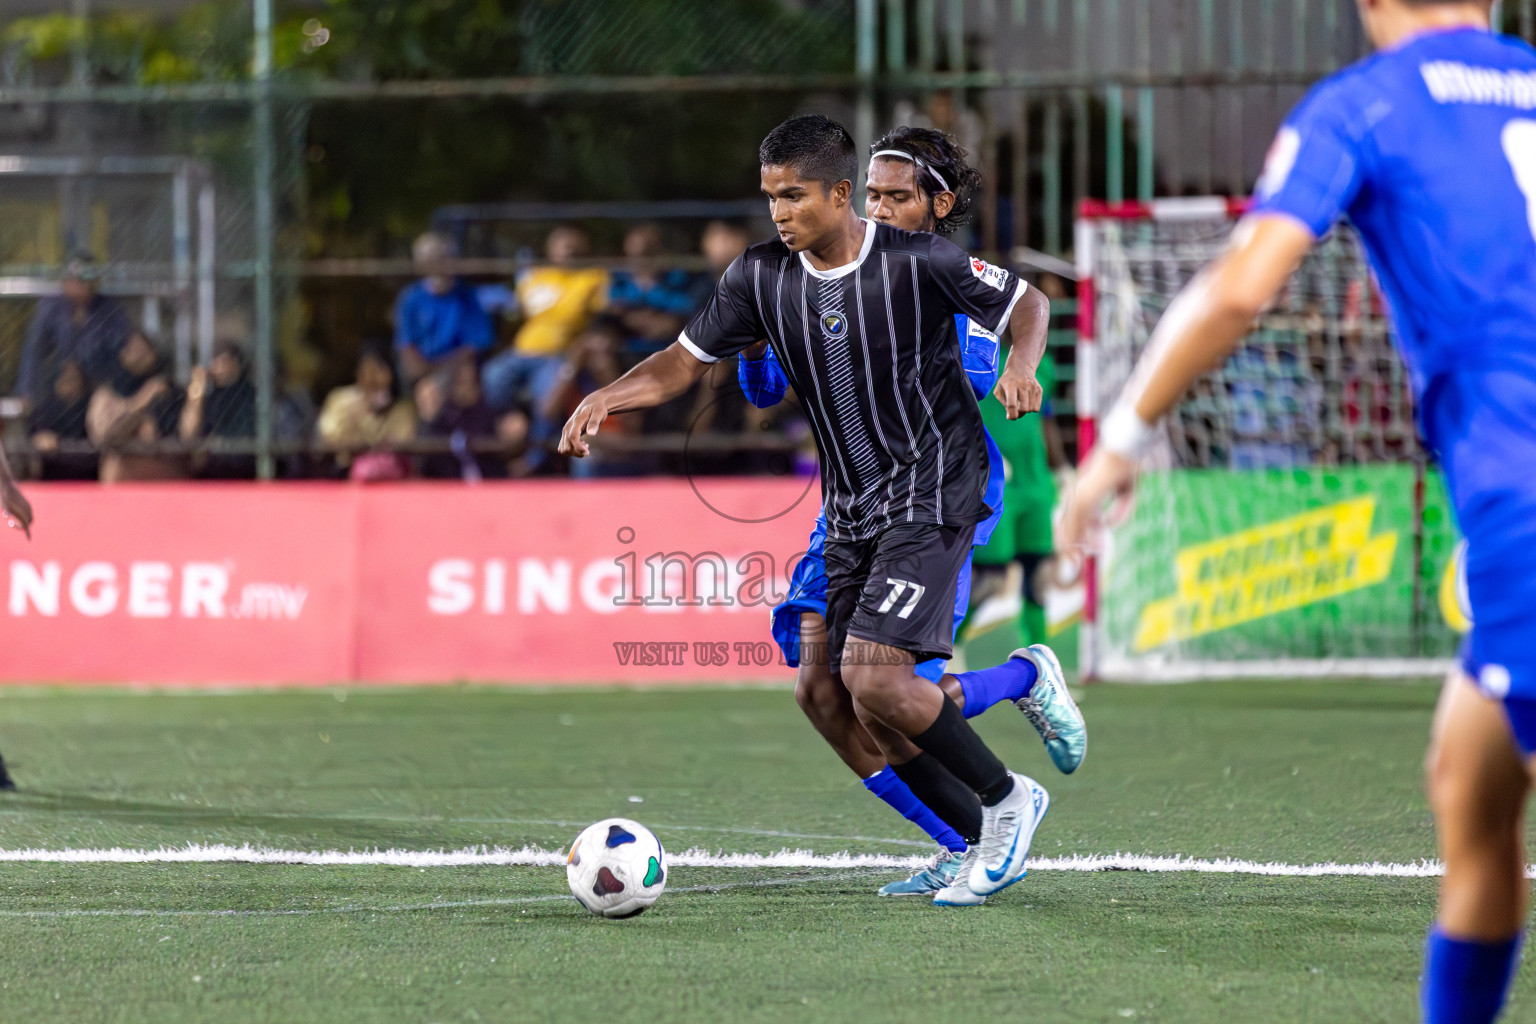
x,y
1287,564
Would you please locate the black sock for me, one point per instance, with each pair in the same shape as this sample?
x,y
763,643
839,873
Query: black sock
x,y
952,741
952,800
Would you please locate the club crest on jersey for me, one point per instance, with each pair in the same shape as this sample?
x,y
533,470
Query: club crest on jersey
x,y
834,326
987,274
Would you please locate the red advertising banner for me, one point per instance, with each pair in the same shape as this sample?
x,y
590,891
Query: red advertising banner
x,y
536,581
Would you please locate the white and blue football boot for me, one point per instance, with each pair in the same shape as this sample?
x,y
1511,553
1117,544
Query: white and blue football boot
x,y
958,893
1052,711
938,873
1007,829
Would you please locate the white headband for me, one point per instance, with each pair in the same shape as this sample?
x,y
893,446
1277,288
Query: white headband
x,y
899,155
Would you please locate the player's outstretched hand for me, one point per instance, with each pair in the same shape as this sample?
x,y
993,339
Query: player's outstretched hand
x,y
18,510
1020,393
588,416
1103,477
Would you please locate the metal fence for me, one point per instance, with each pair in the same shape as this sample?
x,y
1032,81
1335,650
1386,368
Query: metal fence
x,y
252,171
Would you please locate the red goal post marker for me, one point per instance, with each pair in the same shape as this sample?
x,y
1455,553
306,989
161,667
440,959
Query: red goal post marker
x,y
1087,392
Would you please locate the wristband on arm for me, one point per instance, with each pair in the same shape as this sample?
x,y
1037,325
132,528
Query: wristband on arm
x,y
1125,433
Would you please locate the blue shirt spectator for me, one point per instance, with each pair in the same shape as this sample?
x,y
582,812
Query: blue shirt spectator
x,y
653,303
438,316
79,326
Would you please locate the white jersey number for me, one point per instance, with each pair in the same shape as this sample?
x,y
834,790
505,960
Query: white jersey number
x,y
1519,142
899,587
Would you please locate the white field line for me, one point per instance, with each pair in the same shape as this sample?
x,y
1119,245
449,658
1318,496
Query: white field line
x,y
533,856
393,908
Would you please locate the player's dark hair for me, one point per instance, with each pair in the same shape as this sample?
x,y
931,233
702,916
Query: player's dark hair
x,y
815,147
941,166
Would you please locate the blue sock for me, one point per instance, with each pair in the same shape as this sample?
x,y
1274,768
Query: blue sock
x,y
885,785
988,686
1465,981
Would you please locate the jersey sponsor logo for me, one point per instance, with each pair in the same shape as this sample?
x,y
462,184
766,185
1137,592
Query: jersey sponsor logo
x,y
1269,569
987,274
834,326
1279,161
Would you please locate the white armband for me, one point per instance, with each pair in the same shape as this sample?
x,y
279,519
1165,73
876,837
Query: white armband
x,y
1125,433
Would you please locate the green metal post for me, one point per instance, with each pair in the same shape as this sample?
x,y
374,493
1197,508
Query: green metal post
x,y
1331,31
1144,145
1050,173
1114,144
895,35
1235,38
954,34
1207,33
865,56
265,226
1298,35
927,34
1267,12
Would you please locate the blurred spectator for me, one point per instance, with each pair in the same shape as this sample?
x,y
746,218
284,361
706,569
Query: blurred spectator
x,y
457,411
221,403
60,416
593,361
721,243
652,301
438,317
79,325
369,412
557,302
138,404
718,403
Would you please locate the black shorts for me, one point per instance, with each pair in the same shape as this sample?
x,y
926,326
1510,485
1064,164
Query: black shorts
x,y
896,588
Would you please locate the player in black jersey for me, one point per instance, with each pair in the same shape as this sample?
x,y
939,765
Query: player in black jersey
x,y
860,315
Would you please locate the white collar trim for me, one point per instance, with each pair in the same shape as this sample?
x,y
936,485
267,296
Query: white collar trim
x,y
846,268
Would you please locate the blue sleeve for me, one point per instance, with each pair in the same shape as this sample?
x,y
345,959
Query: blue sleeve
x,y
762,380
1316,164
978,354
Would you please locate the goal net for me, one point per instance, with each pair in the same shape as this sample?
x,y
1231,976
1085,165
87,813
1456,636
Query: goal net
x,y
1287,522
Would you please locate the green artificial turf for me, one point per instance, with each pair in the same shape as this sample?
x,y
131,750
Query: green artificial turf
x,y
1296,773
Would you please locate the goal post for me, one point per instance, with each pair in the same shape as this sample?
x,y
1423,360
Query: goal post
x,y
1287,521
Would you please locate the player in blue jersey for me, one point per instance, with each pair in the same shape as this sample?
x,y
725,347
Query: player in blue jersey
x,y
1429,147
917,180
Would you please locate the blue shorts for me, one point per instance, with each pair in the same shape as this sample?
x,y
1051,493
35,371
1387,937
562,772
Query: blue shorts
x,y
1486,438
808,593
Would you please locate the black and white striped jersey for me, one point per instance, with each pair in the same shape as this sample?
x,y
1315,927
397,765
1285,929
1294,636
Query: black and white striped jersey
x,y
871,351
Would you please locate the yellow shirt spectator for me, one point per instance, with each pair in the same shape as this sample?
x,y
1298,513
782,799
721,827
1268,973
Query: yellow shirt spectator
x,y
557,304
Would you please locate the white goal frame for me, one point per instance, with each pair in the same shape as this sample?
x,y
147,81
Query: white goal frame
x,y
1094,660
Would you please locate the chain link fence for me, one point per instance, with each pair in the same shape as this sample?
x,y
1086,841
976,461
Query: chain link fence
x,y
242,180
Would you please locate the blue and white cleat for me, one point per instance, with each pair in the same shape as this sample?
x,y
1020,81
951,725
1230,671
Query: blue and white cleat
x,y
959,893
1052,711
938,873
1006,832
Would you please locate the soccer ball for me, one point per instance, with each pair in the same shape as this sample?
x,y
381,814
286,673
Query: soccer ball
x,y
616,868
